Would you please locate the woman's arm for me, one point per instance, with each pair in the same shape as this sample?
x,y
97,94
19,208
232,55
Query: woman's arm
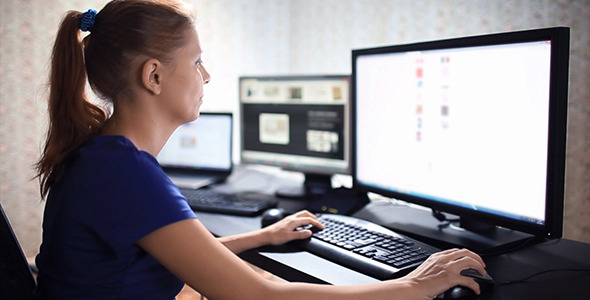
x,y
189,251
276,234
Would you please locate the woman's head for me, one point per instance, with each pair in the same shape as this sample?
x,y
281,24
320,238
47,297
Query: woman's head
x,y
126,30
122,34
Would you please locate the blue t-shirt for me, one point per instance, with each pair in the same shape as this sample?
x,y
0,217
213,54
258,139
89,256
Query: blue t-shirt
x,y
109,196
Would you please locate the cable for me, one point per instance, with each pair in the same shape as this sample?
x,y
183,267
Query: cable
x,y
540,273
519,245
445,222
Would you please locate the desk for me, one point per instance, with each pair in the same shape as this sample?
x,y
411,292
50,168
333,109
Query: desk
x,y
293,265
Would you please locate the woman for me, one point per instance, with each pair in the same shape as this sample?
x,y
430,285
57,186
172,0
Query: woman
x,y
115,226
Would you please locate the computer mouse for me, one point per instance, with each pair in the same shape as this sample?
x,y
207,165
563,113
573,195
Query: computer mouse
x,y
271,216
485,282
457,292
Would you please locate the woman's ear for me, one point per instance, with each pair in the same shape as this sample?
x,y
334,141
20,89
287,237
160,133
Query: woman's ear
x,y
151,76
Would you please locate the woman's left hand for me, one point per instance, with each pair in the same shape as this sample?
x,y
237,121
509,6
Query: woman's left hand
x,y
285,231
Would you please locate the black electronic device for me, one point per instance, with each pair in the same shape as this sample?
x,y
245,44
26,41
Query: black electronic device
x,y
199,153
365,247
473,126
485,282
241,204
271,216
297,123
16,278
341,200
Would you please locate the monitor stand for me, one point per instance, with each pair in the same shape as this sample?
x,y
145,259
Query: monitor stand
x,y
321,197
486,238
314,185
419,223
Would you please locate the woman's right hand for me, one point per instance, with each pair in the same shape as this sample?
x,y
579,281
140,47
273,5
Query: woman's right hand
x,y
284,231
441,271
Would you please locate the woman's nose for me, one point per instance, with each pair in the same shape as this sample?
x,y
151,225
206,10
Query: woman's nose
x,y
206,75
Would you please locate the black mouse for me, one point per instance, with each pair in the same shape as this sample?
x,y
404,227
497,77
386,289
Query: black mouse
x,y
485,282
271,216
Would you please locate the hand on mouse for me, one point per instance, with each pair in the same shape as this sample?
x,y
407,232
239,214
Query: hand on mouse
x,y
284,231
441,271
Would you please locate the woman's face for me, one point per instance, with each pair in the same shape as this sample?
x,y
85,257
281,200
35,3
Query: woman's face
x,y
183,91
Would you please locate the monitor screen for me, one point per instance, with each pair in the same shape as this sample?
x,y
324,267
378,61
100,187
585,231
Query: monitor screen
x,y
203,144
473,126
298,123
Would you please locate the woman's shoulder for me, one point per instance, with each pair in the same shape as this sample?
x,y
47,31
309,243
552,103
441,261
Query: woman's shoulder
x,y
114,168
108,143
115,151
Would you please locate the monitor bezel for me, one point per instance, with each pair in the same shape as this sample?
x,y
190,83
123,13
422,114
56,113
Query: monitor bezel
x,y
557,131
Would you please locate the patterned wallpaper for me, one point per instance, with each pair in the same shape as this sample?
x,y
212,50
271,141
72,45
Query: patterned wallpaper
x,y
258,37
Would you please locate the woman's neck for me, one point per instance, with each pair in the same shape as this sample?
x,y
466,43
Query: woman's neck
x,y
143,128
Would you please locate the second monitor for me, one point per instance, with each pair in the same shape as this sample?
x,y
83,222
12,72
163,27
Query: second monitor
x,y
298,123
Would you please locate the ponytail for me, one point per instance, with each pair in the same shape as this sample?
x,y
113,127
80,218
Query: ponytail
x,y
72,118
120,32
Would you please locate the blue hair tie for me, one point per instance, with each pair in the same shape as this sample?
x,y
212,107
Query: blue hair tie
x,y
88,20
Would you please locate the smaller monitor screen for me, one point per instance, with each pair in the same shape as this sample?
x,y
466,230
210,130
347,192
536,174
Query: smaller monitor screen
x,y
204,144
298,123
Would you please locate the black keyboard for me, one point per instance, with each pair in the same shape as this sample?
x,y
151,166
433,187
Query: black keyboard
x,y
366,247
248,204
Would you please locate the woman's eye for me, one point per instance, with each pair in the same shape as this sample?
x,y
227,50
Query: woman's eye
x,y
199,62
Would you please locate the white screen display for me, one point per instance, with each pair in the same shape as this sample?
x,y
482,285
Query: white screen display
x,y
466,126
202,144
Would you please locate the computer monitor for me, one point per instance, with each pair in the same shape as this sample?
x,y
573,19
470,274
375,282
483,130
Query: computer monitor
x,y
472,126
297,123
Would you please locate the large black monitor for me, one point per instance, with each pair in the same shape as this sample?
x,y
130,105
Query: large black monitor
x,y
472,126
298,123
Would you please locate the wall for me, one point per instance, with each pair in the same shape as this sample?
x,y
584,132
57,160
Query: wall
x,y
261,37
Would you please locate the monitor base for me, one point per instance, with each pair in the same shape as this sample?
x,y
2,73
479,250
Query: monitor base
x,y
314,186
484,238
419,224
292,192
